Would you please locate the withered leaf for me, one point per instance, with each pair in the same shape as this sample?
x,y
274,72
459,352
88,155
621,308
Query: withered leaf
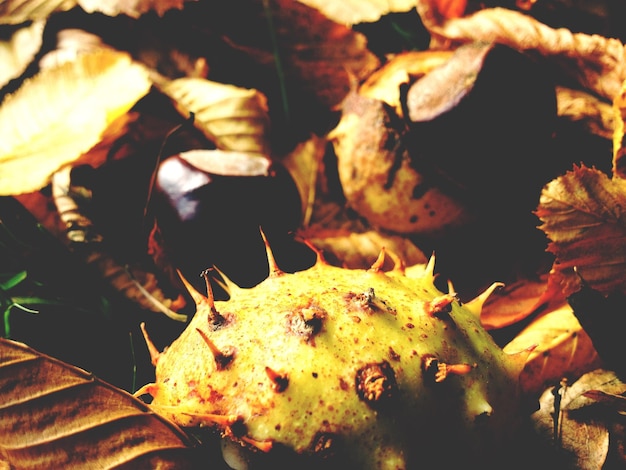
x,y
578,428
233,118
582,214
384,83
61,113
303,164
596,63
227,163
563,349
595,116
21,11
132,8
351,12
319,60
516,301
619,149
17,52
359,250
54,415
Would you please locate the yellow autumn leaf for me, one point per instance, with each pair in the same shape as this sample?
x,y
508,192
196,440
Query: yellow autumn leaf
x,y
563,349
233,118
61,113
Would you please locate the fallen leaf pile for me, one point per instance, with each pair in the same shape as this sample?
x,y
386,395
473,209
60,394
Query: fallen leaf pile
x,y
98,95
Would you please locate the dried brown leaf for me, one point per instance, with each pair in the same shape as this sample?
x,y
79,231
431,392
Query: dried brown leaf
x,y
303,164
21,11
359,250
516,301
132,8
233,118
595,116
582,214
351,12
17,52
619,147
577,429
595,62
319,59
384,83
563,349
54,415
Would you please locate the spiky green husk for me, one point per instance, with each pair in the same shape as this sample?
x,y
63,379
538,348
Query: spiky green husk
x,y
377,368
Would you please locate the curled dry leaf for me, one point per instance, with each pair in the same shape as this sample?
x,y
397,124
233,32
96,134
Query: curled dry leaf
x,y
595,62
61,113
303,164
563,349
596,116
569,416
357,250
619,147
516,301
233,118
350,12
585,442
378,177
319,58
136,282
22,11
404,68
70,44
132,8
54,415
18,51
582,214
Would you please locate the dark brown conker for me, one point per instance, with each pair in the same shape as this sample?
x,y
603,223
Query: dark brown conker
x,y
213,217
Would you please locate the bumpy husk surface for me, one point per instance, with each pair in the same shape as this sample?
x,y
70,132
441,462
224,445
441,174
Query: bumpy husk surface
x,y
344,366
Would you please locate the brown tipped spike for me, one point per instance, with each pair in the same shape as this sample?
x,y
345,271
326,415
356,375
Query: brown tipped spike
x,y
154,352
398,263
226,283
429,270
215,318
197,297
264,446
377,267
215,419
274,269
476,305
518,359
318,253
222,359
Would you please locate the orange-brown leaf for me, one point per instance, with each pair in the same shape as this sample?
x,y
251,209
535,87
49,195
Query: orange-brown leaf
x,y
518,300
54,415
582,214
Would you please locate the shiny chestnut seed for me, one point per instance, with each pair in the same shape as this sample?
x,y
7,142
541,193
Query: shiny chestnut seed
x,y
483,123
210,205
